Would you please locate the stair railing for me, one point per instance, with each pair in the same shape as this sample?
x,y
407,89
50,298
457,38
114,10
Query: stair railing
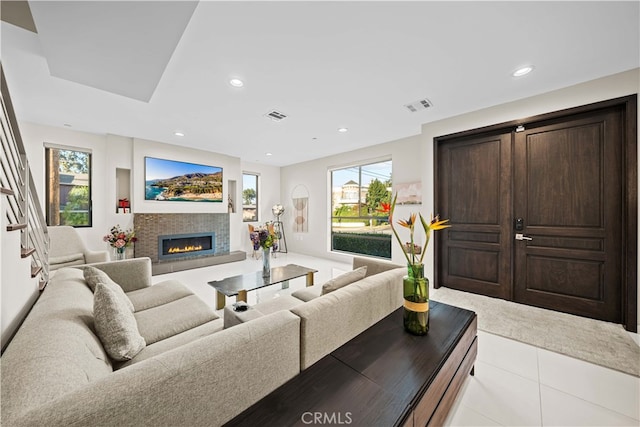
x,y
24,210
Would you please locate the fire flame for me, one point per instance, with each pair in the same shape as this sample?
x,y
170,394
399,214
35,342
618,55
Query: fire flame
x,y
185,249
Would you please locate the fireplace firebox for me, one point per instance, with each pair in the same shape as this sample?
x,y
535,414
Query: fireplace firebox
x,y
185,245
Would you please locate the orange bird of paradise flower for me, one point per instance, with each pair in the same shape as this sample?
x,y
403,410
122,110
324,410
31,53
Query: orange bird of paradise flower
x,y
435,224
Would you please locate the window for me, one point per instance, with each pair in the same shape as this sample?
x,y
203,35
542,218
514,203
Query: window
x,y
360,198
68,182
249,197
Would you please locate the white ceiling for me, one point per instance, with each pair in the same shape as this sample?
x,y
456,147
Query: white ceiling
x,y
122,68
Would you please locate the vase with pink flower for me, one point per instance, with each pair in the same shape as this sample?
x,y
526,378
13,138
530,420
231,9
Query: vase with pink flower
x,y
119,240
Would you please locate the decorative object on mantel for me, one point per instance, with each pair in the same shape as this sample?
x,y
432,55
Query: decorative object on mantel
x,y
415,284
265,237
278,211
119,240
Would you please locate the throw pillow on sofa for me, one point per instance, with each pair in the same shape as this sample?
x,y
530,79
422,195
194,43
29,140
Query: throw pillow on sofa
x,y
115,324
93,276
344,280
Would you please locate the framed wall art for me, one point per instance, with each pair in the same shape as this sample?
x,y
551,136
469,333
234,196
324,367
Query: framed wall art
x,y
409,193
175,181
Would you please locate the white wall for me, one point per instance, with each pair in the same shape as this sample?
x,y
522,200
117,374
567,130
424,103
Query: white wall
x,y
406,155
118,154
18,291
35,136
268,195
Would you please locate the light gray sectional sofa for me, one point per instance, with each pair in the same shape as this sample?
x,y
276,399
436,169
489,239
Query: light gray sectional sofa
x,y
192,372
330,320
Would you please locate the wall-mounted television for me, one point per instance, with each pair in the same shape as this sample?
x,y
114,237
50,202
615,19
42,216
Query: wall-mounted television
x,y
174,181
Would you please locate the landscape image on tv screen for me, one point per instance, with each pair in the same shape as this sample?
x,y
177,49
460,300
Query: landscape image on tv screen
x,y
170,180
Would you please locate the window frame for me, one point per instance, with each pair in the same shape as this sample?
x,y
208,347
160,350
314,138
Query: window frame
x,y
257,202
89,153
360,203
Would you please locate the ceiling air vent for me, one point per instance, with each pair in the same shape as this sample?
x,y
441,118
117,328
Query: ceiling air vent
x,y
422,104
276,116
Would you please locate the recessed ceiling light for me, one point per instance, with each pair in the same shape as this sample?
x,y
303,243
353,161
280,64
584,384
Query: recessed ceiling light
x,y
342,130
523,71
178,133
268,154
236,82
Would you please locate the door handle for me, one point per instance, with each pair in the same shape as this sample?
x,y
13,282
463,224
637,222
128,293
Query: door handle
x,y
520,236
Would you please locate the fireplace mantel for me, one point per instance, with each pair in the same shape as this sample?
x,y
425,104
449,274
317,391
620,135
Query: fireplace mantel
x,y
149,226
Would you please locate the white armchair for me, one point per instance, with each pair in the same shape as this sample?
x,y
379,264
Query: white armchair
x,y
67,249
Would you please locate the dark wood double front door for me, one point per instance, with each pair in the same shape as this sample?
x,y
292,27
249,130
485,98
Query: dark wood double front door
x,y
537,213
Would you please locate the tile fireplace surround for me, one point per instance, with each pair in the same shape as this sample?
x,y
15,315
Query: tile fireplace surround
x,y
149,226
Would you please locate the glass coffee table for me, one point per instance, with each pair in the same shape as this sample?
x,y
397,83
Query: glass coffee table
x,y
238,286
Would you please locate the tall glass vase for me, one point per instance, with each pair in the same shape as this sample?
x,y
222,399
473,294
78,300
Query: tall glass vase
x,y
120,253
416,300
266,262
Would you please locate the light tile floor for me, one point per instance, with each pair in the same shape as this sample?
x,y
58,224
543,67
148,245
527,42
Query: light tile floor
x,y
515,384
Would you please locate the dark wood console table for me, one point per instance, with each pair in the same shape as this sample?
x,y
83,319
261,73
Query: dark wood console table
x,y
382,377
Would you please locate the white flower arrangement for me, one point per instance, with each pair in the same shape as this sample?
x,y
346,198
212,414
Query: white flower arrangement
x,y
277,210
